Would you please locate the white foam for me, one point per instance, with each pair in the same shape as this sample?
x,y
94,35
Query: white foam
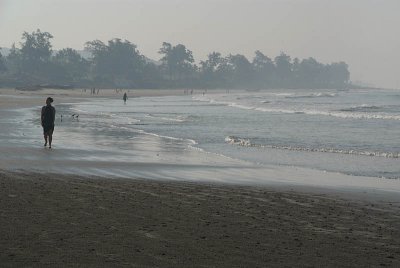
x,y
357,112
238,141
177,119
338,114
313,95
247,143
363,107
126,119
189,141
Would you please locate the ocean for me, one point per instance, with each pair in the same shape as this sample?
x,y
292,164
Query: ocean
x,y
349,132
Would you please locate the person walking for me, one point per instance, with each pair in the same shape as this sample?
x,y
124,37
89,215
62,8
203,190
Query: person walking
x,y
47,119
125,97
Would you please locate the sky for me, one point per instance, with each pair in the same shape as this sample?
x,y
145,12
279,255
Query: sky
x,y
363,33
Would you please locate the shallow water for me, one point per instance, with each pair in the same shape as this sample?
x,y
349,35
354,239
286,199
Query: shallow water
x,y
195,137
352,132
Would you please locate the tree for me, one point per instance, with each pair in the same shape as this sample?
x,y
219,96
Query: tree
x,y
264,69
35,52
226,73
177,61
14,60
209,69
212,62
310,73
283,69
73,67
339,74
151,76
118,63
243,70
3,67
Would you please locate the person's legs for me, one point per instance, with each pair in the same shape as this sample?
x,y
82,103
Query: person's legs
x,y
50,133
45,139
50,139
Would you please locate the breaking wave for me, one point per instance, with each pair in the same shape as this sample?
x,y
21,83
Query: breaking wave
x,y
313,95
350,113
247,143
362,108
179,119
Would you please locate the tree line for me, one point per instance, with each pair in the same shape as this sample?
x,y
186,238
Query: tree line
x,y
119,64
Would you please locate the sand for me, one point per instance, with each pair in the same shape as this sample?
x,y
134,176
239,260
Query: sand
x,y
58,220
9,97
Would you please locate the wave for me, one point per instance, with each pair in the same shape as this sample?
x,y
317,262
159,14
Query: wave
x,y
125,119
313,95
247,143
177,119
189,141
338,114
362,108
282,94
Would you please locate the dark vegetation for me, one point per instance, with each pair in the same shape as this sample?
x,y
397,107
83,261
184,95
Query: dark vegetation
x,y
118,63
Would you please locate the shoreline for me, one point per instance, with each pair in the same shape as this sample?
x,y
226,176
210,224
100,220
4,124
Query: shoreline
x,y
71,95
157,158
63,220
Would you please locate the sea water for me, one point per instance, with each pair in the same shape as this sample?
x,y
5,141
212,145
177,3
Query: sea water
x,y
352,132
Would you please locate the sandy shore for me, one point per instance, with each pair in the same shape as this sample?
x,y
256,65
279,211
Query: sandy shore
x,y
59,220
39,97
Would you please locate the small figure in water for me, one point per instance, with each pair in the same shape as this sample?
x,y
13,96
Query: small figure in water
x,y
47,119
125,97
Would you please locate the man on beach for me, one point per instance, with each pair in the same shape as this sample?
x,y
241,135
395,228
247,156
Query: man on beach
x,y
47,119
125,97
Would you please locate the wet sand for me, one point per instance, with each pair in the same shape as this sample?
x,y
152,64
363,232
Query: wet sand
x,y
63,220
9,97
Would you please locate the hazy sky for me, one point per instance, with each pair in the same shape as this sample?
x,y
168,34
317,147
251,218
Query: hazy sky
x,y
363,33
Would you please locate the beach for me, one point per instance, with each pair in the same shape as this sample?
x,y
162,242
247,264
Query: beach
x,y
118,189
59,220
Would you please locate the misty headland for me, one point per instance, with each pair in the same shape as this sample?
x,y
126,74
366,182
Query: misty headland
x,y
119,64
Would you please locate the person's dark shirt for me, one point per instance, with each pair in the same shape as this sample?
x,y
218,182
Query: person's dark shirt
x,y
48,115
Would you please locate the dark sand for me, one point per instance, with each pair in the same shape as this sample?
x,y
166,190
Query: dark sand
x,y
59,220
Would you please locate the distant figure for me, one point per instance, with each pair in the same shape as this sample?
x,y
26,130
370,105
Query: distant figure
x,y
47,119
125,97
